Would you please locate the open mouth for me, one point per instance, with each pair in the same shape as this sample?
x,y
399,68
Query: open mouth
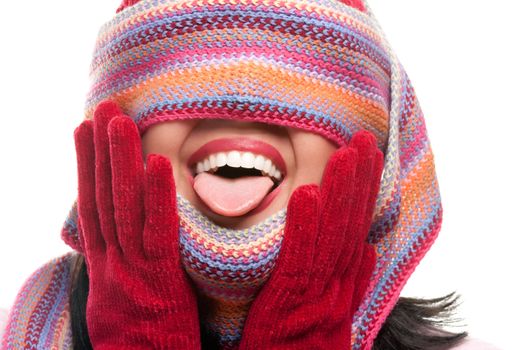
x,y
236,176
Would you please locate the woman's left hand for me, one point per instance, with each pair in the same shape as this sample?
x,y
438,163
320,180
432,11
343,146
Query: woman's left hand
x,y
325,262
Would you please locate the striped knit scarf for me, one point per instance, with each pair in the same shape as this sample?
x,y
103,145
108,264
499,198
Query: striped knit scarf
x,y
228,267
319,65
40,316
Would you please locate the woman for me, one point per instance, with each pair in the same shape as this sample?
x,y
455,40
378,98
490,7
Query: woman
x,y
285,193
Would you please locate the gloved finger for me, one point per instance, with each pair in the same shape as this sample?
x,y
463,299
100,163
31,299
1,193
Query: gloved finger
x,y
362,200
91,237
371,178
161,232
295,260
127,182
103,114
347,280
374,189
363,275
336,189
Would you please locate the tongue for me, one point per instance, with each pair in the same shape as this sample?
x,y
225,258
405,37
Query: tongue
x,y
231,197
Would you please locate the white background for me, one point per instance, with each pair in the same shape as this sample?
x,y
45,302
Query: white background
x,y
459,55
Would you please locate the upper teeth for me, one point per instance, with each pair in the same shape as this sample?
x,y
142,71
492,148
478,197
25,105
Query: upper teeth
x,y
237,159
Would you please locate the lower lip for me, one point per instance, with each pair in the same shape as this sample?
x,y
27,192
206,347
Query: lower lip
x,y
266,201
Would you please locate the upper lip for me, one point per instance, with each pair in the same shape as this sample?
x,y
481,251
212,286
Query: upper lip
x,y
242,144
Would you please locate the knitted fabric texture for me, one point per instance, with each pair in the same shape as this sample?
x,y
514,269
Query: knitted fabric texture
x,y
40,316
319,65
316,65
228,267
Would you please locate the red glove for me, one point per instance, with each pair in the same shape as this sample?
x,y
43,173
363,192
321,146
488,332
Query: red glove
x,y
139,295
325,263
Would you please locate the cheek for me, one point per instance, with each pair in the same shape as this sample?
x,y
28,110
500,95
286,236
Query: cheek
x,y
166,138
312,153
311,170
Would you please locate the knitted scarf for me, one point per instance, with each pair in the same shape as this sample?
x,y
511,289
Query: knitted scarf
x,y
228,267
318,65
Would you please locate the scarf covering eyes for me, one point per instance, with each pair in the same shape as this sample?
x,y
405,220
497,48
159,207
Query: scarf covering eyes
x,y
227,266
318,65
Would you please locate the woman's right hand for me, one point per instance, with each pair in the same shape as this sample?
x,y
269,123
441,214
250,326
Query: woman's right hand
x,y
139,295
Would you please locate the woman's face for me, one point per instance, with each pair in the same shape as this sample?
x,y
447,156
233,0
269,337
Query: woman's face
x,y
304,154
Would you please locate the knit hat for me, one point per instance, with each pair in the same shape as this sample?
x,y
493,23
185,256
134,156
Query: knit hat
x,y
319,65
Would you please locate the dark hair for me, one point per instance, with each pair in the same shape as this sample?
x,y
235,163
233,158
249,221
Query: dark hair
x,y
413,324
